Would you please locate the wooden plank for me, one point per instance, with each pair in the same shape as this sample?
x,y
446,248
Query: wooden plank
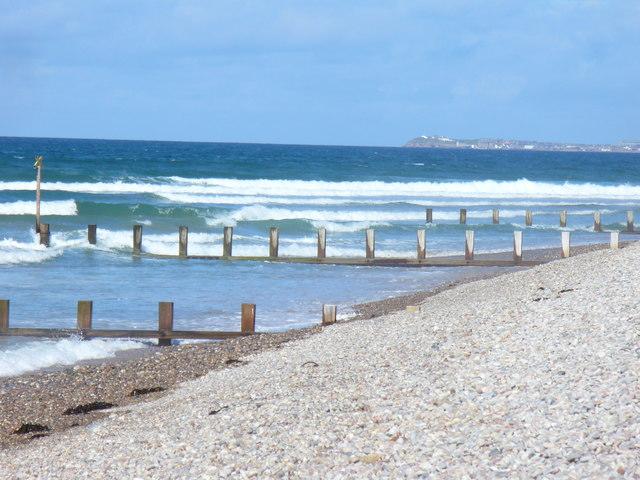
x,y
422,244
274,241
248,318
468,245
517,246
630,226
563,218
597,222
45,236
463,216
137,239
322,243
4,315
92,234
150,334
370,243
429,215
165,323
38,166
614,243
566,244
329,314
227,245
496,216
528,218
84,315
183,241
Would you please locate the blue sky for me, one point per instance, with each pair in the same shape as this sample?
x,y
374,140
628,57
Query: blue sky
x,y
330,72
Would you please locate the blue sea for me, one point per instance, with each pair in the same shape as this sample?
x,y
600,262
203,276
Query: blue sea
x,y
251,187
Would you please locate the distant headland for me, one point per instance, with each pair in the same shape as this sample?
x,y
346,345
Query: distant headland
x,y
437,141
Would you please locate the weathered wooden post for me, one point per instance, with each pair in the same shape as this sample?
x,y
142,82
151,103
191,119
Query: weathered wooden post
x,y
45,236
563,218
468,245
566,244
183,241
137,239
248,318
84,315
370,241
496,216
92,234
38,166
227,242
4,316
165,322
630,227
422,244
597,222
322,243
463,216
517,246
429,215
329,314
614,243
274,242
528,218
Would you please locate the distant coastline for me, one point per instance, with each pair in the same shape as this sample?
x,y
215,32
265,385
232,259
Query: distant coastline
x,y
437,141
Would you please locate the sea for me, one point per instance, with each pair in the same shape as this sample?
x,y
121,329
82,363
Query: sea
x,y
252,187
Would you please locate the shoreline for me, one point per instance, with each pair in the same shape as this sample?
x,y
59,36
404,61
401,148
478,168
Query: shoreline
x,y
41,396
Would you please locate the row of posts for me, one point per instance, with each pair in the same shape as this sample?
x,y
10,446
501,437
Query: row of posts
x,y
370,249
528,218
370,243
84,319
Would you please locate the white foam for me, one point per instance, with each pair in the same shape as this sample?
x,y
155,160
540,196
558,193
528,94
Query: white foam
x,y
56,207
513,189
35,355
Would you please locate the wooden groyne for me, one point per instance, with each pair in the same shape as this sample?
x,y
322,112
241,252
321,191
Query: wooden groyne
x,y
369,258
164,334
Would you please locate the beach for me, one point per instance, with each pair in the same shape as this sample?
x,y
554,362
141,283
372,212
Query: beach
x,y
532,373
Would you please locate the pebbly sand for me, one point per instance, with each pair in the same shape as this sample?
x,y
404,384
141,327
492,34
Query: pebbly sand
x,y
529,374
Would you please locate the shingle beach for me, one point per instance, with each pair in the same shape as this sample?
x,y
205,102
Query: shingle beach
x,y
533,374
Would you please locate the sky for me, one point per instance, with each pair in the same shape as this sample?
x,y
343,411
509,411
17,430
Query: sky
x,y
321,72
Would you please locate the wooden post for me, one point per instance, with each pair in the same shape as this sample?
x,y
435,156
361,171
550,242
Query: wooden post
x,y
422,244
429,215
4,316
528,218
227,245
248,318
468,245
496,216
597,222
183,241
566,244
322,243
329,314
38,166
370,240
85,315
563,218
45,236
463,216
517,246
630,227
274,242
615,241
165,322
92,234
137,239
